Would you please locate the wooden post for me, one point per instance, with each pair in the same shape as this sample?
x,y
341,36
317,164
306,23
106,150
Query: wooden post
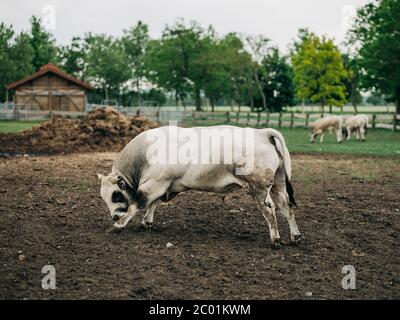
x,y
248,118
280,120
138,112
237,117
158,115
16,113
373,121
228,117
291,120
307,119
258,118
193,117
267,119
394,122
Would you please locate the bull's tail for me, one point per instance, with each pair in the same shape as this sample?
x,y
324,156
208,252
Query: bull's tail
x,y
283,153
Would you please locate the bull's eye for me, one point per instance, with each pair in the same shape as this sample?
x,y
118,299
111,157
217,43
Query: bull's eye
x,y
117,197
122,184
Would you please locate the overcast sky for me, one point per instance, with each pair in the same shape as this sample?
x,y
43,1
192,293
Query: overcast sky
x,y
279,20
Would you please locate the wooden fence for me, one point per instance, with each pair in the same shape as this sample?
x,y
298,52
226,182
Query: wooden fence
x,y
291,120
194,118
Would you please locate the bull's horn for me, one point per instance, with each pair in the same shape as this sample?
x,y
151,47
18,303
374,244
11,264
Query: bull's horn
x,y
114,179
100,176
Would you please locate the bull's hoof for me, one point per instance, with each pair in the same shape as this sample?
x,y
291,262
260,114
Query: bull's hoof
x,y
276,244
297,239
147,225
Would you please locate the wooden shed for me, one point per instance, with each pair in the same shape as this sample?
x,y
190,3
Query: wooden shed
x,y
50,89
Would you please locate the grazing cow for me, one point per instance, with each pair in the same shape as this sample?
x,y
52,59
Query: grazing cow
x,y
154,166
357,124
330,124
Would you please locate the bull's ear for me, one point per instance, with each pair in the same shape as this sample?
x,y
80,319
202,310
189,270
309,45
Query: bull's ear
x,y
100,176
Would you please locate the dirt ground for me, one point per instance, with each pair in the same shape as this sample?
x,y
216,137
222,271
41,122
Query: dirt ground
x,y
51,213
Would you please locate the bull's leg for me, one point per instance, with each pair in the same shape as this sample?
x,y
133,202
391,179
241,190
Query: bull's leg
x,y
123,221
362,132
321,139
348,133
358,133
313,137
281,199
148,217
267,207
339,135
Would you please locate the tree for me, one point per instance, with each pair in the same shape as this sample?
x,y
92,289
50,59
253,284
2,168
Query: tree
x,y
43,44
164,70
176,61
376,99
297,45
155,95
352,81
217,71
376,31
16,56
277,80
258,46
107,64
196,50
135,42
319,72
221,64
72,58
238,66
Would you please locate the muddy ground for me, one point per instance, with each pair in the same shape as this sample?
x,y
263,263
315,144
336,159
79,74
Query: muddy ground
x,y
51,213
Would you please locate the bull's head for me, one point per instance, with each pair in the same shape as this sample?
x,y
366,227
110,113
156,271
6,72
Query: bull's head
x,y
115,192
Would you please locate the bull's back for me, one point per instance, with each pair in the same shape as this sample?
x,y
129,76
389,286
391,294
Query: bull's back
x,y
327,122
229,148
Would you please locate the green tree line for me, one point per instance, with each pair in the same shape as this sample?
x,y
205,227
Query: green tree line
x,y
195,65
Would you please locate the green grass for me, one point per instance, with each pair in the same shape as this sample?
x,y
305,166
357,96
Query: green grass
x,y
10,126
378,143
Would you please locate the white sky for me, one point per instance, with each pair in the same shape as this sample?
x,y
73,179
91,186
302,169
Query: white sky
x,y
279,20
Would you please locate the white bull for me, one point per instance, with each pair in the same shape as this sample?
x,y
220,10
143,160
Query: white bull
x,y
327,124
155,166
357,124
